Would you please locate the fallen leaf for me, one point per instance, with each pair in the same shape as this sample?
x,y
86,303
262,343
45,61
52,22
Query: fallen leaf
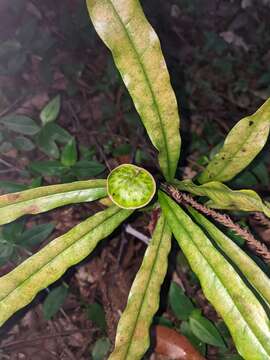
x,y
174,345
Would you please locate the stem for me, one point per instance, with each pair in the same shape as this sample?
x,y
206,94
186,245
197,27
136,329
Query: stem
x,y
186,199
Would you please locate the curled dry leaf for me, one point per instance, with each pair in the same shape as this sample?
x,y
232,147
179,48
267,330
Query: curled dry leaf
x,y
174,345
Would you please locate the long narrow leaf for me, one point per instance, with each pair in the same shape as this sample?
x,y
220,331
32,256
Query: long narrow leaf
x,y
19,287
137,54
222,197
248,267
38,200
221,284
132,339
241,146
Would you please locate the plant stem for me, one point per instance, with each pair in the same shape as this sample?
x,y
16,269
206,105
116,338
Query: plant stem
x,y
186,199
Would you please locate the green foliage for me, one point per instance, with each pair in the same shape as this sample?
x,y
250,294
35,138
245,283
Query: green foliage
x,y
230,279
19,287
14,237
221,284
54,300
49,137
87,168
179,302
132,338
101,349
50,112
144,72
35,201
242,145
96,314
69,154
246,265
204,330
222,197
197,343
20,124
35,235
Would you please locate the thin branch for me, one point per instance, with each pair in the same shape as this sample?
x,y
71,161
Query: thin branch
x,y
186,199
130,230
27,342
12,106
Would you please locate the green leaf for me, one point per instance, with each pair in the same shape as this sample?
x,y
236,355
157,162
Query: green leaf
x,y
241,146
87,168
204,330
9,186
12,232
179,302
48,168
21,124
5,147
137,54
6,251
22,143
20,286
260,170
161,320
49,136
50,112
41,199
223,287
132,338
101,349
222,197
69,154
96,314
198,344
123,149
36,182
36,235
245,264
54,300
58,133
46,143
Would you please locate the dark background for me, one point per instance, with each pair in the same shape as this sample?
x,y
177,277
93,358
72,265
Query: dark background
x,y
218,56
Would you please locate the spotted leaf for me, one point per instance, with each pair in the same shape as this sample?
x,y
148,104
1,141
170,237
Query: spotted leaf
x,y
122,26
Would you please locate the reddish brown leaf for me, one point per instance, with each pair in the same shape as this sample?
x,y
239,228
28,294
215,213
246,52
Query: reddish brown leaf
x,y
174,345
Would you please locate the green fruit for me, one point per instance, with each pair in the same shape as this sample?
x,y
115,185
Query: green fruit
x,y
130,187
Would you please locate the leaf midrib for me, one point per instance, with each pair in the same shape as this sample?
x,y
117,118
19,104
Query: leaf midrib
x,y
231,159
228,190
149,86
217,276
50,195
146,287
60,253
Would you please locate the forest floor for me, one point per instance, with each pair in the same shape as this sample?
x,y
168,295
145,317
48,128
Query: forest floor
x,y
218,57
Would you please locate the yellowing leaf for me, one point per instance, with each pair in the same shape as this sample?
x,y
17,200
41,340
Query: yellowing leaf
x,y
132,338
41,199
50,112
221,284
137,54
222,197
241,146
20,286
247,266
